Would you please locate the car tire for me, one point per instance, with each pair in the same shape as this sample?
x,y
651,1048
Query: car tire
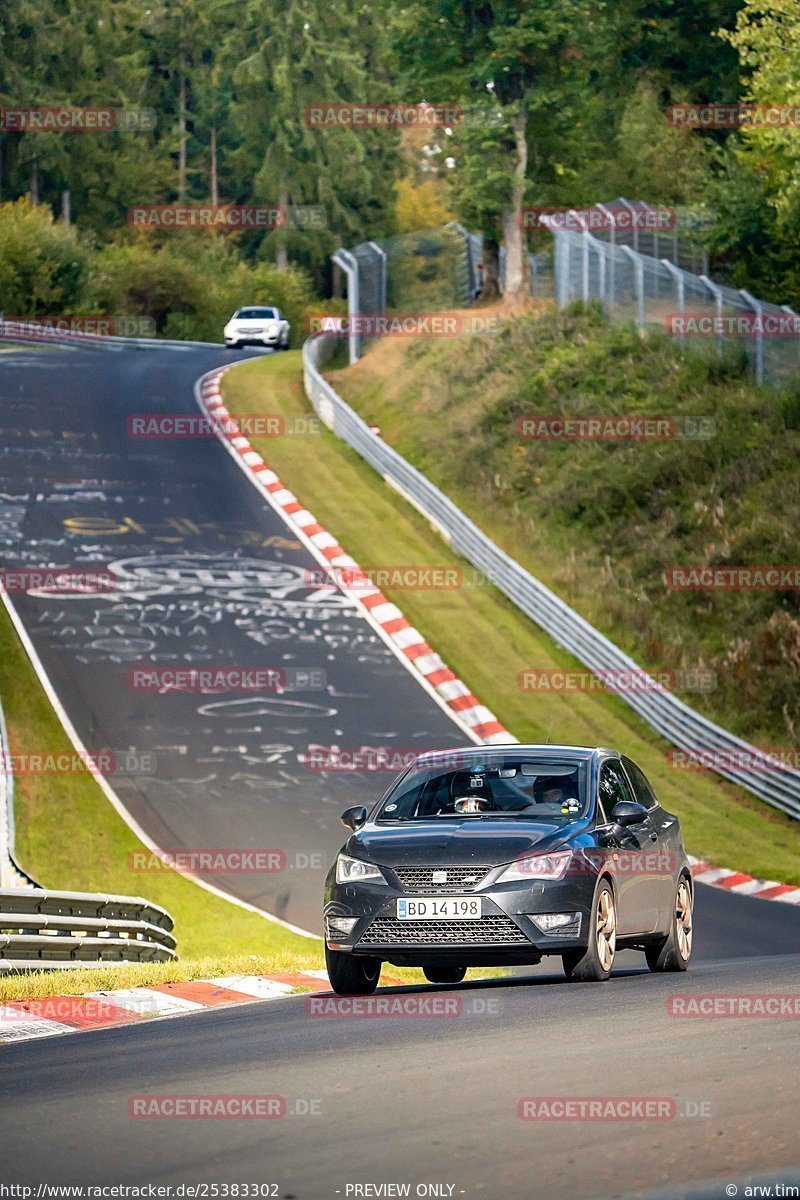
x,y
594,964
674,952
351,974
444,974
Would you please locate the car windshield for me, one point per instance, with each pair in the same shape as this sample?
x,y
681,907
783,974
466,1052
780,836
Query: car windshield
x,y
507,785
256,314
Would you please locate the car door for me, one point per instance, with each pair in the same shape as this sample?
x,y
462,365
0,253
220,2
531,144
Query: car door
x,y
632,856
669,843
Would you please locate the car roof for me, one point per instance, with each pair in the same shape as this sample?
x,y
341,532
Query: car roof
x,y
548,750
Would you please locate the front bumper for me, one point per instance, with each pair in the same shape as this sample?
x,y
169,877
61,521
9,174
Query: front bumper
x,y
253,339
504,933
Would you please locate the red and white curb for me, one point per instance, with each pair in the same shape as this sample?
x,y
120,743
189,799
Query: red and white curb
x,y
21,1020
743,885
477,721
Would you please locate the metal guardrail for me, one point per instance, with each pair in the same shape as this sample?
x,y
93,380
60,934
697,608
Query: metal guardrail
x,y
44,930
661,709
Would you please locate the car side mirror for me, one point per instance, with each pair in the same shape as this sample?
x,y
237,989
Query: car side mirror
x,y
353,818
628,812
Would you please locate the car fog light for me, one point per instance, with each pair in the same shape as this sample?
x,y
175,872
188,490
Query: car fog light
x,y
342,924
558,924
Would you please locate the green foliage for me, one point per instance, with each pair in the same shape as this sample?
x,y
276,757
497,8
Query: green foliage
x,y
43,264
191,291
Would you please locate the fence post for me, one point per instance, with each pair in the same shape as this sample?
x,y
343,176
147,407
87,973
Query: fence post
x,y
680,289
758,309
382,258
562,261
585,248
634,225
600,251
638,269
612,257
716,292
349,264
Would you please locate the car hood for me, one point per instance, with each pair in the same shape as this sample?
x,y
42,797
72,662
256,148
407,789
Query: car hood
x,y
253,322
482,842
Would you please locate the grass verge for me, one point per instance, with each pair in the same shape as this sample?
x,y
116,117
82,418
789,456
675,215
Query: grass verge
x,y
38,985
486,640
602,521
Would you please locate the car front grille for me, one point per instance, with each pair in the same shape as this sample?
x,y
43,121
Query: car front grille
x,y
491,930
420,880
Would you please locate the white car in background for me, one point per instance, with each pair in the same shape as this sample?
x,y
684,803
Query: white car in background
x,y
257,326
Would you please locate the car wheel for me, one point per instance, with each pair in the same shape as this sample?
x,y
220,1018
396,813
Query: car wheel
x,y
594,964
674,952
351,974
444,974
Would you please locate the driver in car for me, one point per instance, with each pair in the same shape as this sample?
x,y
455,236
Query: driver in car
x,y
554,791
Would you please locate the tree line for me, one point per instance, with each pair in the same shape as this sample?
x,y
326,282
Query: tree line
x,y
560,105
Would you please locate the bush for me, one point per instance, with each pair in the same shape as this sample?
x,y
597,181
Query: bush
x,y
190,291
43,263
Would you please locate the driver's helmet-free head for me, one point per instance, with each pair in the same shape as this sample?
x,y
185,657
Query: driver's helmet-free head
x,y
550,789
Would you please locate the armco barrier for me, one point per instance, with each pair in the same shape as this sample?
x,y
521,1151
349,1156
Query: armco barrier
x,y
662,710
41,930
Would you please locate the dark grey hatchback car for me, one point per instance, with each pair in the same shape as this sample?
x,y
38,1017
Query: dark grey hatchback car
x,y
497,856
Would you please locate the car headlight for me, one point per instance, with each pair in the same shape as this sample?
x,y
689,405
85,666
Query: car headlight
x,y
273,328
353,870
538,866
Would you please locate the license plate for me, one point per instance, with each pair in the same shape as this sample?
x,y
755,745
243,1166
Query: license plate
x,y
439,908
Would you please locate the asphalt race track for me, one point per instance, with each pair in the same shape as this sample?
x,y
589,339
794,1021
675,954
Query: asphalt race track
x,y
211,577
419,1101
